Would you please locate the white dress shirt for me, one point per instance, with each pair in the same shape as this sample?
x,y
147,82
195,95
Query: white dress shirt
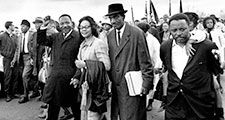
x,y
179,59
121,33
25,42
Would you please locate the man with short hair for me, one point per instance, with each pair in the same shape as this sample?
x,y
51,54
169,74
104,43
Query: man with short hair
x,y
128,52
23,55
190,92
7,50
65,46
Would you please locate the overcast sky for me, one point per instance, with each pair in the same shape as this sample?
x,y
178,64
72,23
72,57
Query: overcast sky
x,y
16,10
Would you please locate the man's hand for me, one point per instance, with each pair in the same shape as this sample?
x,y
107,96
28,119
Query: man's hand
x,y
144,91
74,82
12,63
80,64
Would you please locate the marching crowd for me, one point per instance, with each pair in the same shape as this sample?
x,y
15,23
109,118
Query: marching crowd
x,y
81,68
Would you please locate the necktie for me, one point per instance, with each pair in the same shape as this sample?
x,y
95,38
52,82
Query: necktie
x,y
118,41
210,36
23,43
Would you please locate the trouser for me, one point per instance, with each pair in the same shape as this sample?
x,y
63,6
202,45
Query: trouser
x,y
27,72
8,81
53,111
17,76
1,83
180,110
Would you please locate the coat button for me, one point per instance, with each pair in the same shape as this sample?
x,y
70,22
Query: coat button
x,y
181,90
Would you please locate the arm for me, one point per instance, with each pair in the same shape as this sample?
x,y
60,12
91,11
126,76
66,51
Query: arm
x,y
43,39
145,63
102,54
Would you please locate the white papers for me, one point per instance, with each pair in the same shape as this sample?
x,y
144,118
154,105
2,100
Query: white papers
x,y
1,63
134,82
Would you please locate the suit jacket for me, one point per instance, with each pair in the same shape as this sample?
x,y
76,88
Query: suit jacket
x,y
196,84
7,45
63,54
19,48
131,55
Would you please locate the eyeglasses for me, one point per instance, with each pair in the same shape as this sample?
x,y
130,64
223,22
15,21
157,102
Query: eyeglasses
x,y
84,27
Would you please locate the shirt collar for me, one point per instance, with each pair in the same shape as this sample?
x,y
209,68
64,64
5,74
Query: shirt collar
x,y
66,35
89,42
122,29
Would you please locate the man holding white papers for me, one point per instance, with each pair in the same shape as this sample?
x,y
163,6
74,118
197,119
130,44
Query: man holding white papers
x,y
128,52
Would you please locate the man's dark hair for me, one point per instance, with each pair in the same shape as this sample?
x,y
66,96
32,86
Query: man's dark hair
x,y
179,16
64,15
7,24
192,17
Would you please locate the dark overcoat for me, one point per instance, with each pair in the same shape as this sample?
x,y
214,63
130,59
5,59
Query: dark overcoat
x,y
131,55
196,84
64,52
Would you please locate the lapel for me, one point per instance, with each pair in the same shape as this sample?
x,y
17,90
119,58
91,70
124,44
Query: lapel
x,y
188,65
169,55
124,40
67,38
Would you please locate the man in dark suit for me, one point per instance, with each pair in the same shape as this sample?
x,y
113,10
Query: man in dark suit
x,y
7,50
65,46
23,55
190,93
128,52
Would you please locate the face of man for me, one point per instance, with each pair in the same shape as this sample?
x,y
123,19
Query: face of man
x,y
209,23
12,27
179,29
117,21
65,24
37,25
24,28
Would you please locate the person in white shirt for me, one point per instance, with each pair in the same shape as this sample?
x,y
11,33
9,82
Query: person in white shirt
x,y
153,47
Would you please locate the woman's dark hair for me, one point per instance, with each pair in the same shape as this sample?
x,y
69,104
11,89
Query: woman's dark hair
x,y
93,26
193,17
208,18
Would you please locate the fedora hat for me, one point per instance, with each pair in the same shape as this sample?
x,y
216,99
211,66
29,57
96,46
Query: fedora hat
x,y
115,9
38,20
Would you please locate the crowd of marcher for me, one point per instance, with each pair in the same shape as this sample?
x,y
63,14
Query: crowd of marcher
x,y
81,68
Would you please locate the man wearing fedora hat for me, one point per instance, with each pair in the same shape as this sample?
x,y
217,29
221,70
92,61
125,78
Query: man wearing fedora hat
x,y
128,52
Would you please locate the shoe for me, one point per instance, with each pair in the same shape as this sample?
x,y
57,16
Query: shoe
x,y
44,106
44,114
34,95
149,107
23,100
8,98
66,117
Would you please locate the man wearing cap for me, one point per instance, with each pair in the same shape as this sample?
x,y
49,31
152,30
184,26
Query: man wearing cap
x,y
7,50
106,26
128,52
23,56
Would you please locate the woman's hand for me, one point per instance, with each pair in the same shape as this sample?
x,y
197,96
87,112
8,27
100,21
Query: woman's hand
x,y
74,82
189,49
80,64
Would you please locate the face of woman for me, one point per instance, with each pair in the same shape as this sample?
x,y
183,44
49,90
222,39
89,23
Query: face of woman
x,y
209,23
85,29
165,27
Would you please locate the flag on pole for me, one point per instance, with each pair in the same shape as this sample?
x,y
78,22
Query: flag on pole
x,y
132,14
181,8
146,11
150,10
154,12
169,7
